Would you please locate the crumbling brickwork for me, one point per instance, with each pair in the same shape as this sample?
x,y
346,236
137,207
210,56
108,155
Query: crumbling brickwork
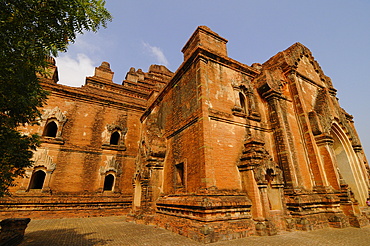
x,y
216,151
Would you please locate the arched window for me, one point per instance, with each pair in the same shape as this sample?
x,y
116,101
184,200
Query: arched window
x,y
242,102
51,130
108,182
37,180
114,138
180,175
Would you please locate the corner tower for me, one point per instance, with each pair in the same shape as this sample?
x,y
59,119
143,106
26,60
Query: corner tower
x,y
192,122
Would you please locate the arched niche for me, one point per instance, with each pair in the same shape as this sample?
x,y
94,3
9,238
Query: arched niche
x,y
242,103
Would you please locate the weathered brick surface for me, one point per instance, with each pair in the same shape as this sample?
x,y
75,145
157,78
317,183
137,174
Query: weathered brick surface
x,y
217,150
79,157
274,131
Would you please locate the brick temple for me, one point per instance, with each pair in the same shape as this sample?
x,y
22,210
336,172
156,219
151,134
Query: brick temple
x,y
214,151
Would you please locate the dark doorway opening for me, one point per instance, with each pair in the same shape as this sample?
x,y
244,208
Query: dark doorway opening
x,y
37,180
51,130
108,182
114,138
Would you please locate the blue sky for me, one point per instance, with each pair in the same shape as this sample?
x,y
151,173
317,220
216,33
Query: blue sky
x,y
145,32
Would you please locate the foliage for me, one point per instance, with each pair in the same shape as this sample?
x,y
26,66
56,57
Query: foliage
x,y
31,31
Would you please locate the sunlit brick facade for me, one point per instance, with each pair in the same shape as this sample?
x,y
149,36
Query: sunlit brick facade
x,y
215,151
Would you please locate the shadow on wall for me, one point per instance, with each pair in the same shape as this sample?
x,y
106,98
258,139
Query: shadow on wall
x,y
61,237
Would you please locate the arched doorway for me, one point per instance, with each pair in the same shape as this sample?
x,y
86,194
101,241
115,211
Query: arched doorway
x,y
348,164
37,180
